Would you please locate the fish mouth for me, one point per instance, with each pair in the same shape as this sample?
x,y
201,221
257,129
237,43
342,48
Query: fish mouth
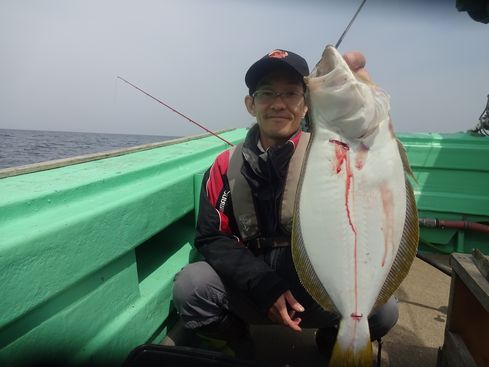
x,y
330,60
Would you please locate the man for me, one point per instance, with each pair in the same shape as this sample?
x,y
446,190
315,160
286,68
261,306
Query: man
x,y
243,229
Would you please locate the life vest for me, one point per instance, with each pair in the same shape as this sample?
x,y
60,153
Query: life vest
x,y
243,205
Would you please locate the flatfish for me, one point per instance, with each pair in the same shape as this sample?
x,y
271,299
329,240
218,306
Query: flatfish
x,y
355,229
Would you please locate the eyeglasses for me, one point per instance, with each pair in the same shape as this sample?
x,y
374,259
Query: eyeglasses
x,y
268,96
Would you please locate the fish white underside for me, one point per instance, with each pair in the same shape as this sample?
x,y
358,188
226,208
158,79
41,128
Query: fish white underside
x,y
351,231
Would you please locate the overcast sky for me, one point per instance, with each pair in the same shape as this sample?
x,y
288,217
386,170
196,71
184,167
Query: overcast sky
x,y
59,60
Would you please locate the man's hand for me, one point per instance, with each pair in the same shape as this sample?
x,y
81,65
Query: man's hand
x,y
281,315
356,62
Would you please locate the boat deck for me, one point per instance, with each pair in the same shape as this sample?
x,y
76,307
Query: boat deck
x,y
414,341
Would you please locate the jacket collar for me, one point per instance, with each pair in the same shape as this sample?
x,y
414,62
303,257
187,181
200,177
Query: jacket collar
x,y
266,171
253,139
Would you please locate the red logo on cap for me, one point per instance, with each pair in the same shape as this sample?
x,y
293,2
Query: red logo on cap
x,y
278,54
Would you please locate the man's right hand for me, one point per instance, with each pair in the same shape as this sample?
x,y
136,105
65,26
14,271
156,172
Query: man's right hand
x,y
280,314
356,61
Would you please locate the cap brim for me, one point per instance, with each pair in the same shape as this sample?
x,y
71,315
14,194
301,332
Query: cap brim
x,y
262,67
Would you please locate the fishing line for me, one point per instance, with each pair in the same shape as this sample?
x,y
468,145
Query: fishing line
x,y
174,110
116,91
349,24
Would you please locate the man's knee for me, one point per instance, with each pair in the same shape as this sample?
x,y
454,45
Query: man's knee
x,y
198,294
384,319
191,283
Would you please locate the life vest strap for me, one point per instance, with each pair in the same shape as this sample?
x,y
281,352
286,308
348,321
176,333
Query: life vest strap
x,y
268,242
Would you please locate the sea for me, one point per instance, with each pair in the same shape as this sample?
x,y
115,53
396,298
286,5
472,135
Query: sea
x,y
20,147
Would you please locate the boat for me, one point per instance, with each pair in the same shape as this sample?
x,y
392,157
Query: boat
x,y
89,247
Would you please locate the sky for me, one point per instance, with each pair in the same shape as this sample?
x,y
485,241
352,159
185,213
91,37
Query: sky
x,y
59,60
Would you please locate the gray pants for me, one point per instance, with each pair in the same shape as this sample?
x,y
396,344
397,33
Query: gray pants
x,y
201,298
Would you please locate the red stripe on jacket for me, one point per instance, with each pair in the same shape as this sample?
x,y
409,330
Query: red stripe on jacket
x,y
295,139
215,185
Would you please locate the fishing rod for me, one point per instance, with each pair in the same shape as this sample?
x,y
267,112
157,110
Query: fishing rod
x,y
174,110
349,24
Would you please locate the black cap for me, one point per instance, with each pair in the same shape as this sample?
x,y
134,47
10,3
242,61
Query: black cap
x,y
273,60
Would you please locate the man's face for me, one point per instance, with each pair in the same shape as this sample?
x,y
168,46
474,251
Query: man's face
x,y
278,116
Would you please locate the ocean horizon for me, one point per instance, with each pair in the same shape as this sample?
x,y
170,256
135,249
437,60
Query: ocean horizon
x,y
20,147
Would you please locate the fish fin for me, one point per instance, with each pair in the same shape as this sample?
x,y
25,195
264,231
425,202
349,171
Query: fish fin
x,y
353,346
303,266
305,271
407,249
405,161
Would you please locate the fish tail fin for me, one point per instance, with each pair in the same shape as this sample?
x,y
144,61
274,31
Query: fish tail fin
x,y
353,347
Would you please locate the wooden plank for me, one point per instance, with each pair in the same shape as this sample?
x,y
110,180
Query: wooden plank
x,y
470,321
470,275
454,353
468,316
448,325
482,263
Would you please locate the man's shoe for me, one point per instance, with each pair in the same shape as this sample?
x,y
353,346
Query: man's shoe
x,y
230,335
325,339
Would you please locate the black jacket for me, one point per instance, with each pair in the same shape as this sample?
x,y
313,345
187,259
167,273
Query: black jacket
x,y
217,237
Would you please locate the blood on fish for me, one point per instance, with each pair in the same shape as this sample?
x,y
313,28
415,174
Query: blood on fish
x,y
341,150
388,205
342,155
340,143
